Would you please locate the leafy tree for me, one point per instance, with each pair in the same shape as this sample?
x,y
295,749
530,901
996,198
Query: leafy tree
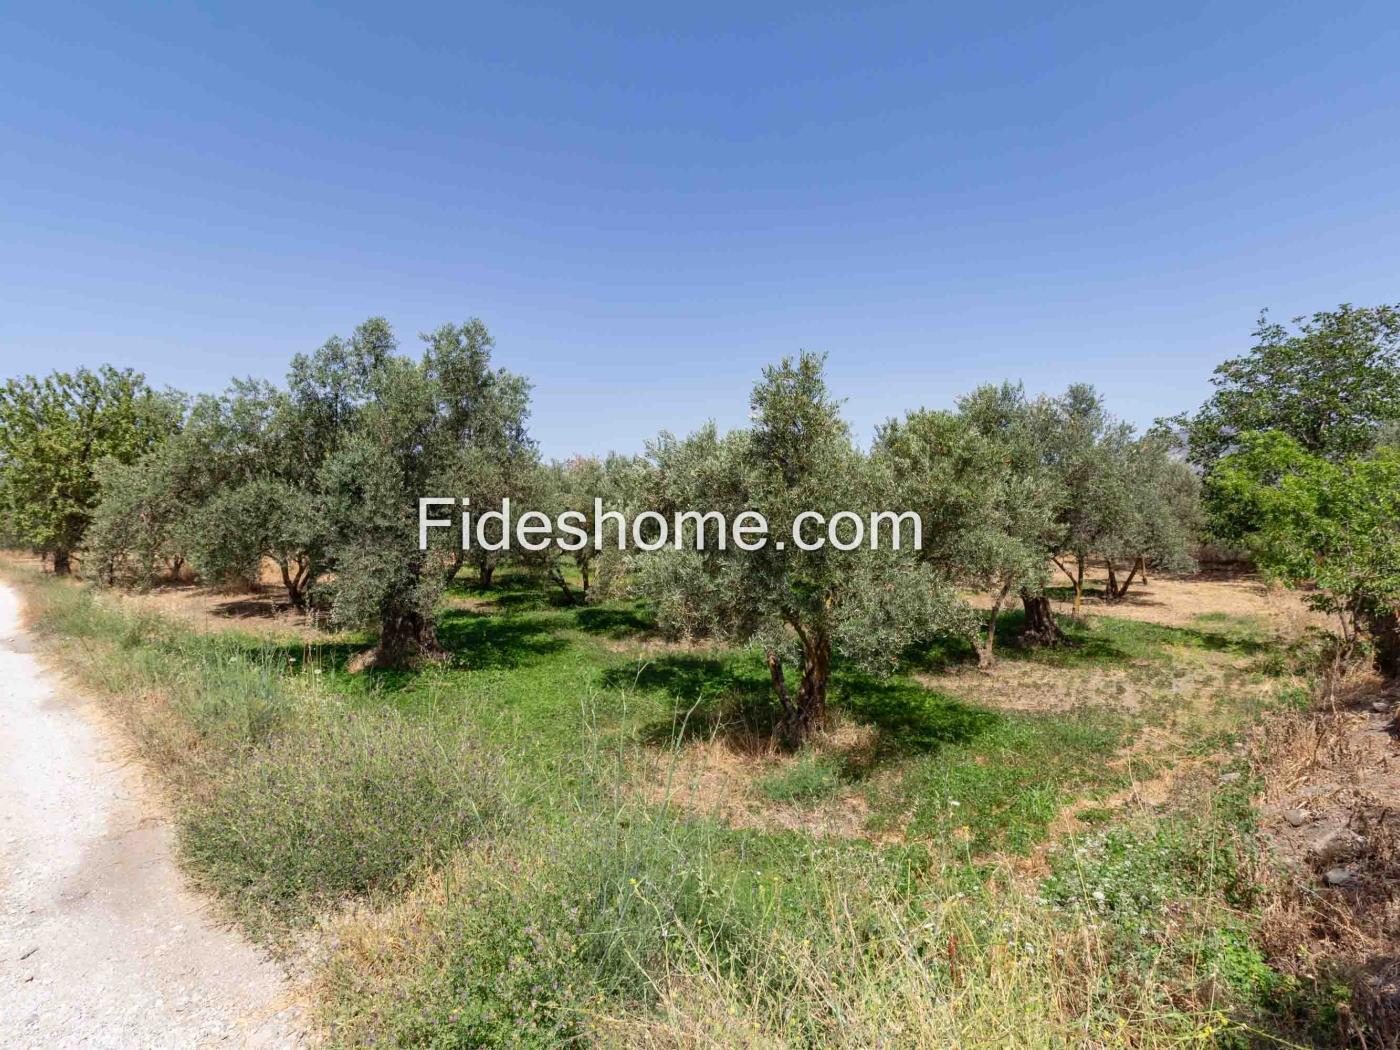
x,y
252,485
1330,385
1161,518
571,488
1124,498
1330,528
412,429
985,522
53,434
486,409
793,604
136,530
1015,428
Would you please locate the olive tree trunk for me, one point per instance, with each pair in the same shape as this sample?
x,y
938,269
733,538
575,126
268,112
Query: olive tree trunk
x,y
1040,627
406,637
805,712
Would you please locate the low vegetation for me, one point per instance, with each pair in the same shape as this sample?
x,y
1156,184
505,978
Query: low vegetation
x,y
1036,784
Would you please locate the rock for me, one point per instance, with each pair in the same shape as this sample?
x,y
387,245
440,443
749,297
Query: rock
x,y
1381,707
1297,817
1229,778
1337,877
1337,845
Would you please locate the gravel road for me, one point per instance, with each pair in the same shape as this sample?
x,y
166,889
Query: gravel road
x,y
101,942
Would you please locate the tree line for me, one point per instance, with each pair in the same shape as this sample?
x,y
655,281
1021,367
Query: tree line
x,y
1292,459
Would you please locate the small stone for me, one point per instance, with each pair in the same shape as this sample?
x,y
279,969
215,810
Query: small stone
x,y
1338,844
1381,707
1296,817
1337,877
1229,778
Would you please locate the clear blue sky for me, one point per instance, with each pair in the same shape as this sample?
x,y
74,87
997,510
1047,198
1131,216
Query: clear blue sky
x,y
646,203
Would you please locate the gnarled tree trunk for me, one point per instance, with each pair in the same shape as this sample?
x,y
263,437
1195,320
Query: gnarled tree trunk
x,y
804,713
406,637
1040,627
295,577
459,557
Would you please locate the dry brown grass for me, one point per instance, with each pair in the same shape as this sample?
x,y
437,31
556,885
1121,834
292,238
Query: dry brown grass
x,y
1176,601
717,777
1336,774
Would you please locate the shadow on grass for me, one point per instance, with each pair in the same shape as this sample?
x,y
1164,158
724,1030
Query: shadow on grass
x,y
709,696
479,642
1100,641
614,621
909,718
474,641
734,699
509,592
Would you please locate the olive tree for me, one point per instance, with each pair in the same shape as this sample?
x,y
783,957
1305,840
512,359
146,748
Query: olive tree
x,y
985,522
485,411
254,454
1124,498
801,606
54,432
1016,427
136,533
412,428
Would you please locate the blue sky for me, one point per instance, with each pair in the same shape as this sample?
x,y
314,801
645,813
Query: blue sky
x,y
648,202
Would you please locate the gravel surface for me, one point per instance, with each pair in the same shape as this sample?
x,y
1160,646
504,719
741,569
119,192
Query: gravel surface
x,y
101,942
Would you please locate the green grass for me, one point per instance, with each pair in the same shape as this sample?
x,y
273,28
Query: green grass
x,y
811,778
523,891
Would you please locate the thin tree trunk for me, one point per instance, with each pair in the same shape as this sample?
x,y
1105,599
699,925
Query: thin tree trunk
x,y
454,566
986,646
558,577
290,584
1118,591
1076,579
62,562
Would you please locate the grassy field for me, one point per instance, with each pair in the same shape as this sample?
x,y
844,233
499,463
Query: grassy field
x,y
572,832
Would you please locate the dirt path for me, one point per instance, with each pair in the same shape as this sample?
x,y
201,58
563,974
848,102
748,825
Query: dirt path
x,y
101,944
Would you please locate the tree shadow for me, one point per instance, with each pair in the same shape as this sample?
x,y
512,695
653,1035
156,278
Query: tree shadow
x,y
710,696
1104,641
715,697
908,718
479,642
510,591
614,621
253,608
